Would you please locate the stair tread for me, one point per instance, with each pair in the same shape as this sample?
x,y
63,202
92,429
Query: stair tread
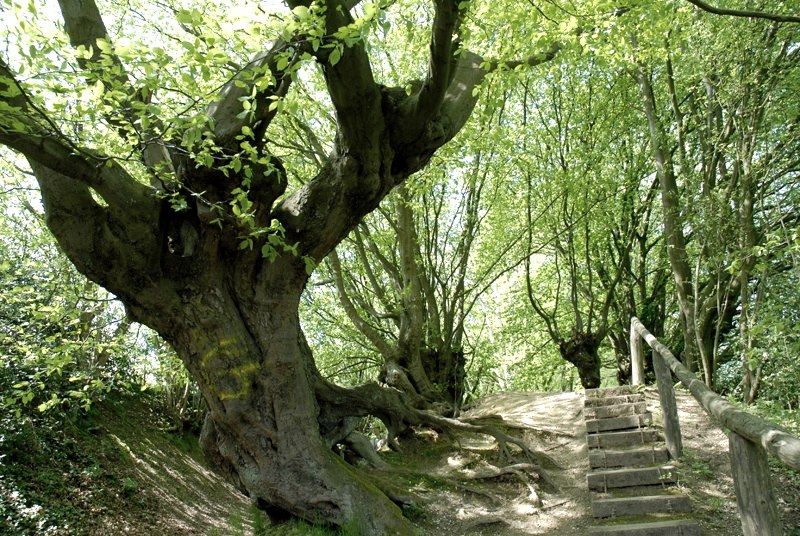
x,y
684,527
634,469
615,410
607,458
639,506
622,422
605,391
613,400
630,477
639,436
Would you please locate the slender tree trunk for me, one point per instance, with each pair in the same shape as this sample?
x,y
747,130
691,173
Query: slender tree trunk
x,y
673,225
412,327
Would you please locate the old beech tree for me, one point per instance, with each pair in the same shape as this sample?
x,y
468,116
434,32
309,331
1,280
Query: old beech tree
x,y
192,226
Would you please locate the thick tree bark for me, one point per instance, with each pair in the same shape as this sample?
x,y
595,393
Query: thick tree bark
x,y
582,351
231,314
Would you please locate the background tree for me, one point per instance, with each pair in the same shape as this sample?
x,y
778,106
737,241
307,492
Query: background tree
x,y
64,342
589,213
411,274
718,164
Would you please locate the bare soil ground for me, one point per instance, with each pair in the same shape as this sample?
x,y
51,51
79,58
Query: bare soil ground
x,y
463,484
553,424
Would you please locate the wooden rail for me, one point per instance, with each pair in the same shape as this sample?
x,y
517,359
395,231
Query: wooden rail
x,y
750,438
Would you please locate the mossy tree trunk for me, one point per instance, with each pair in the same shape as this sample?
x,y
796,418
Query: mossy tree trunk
x,y
223,285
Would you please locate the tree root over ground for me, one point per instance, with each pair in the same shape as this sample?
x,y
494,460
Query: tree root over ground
x,y
391,407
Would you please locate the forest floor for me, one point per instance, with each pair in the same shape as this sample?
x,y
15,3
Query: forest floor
x,y
131,477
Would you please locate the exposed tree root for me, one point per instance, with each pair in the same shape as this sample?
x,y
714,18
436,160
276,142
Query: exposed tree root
x,y
482,522
362,446
393,408
503,440
519,470
475,491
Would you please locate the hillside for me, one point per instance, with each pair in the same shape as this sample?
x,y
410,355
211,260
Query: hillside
x,y
119,472
115,471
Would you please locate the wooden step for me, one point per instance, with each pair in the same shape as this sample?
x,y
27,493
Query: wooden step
x,y
637,506
621,439
615,410
681,527
618,423
606,459
628,477
593,402
610,391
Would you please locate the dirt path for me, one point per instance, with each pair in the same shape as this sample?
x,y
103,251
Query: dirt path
x,y
553,423
550,423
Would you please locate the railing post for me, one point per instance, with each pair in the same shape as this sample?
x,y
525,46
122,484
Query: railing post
x,y
754,494
637,356
669,407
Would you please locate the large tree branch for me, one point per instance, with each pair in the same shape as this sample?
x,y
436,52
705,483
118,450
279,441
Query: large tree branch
x,y
357,176
744,13
442,65
226,111
113,244
120,254
353,91
84,25
28,130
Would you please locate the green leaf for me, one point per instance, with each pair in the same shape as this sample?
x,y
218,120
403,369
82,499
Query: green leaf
x,y
103,45
282,63
335,56
184,16
302,12
310,264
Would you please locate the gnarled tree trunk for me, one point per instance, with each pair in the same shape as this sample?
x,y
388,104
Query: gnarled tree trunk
x,y
582,351
221,277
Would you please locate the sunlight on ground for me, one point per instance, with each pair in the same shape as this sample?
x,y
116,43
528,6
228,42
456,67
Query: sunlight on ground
x,y
181,485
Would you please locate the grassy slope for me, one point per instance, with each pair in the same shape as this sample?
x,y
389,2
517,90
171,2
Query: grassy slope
x,y
114,471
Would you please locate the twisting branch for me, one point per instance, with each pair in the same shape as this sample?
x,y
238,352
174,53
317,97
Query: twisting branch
x,y
744,13
442,62
228,122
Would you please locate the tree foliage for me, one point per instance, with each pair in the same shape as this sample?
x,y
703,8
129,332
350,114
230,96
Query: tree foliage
x,y
199,162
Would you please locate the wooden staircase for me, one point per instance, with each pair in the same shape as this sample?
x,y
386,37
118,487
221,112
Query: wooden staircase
x,y
629,469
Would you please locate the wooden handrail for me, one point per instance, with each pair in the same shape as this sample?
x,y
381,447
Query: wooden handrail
x,y
774,440
750,439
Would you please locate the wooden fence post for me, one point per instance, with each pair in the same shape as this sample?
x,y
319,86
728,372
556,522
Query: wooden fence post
x,y
669,407
637,356
754,494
